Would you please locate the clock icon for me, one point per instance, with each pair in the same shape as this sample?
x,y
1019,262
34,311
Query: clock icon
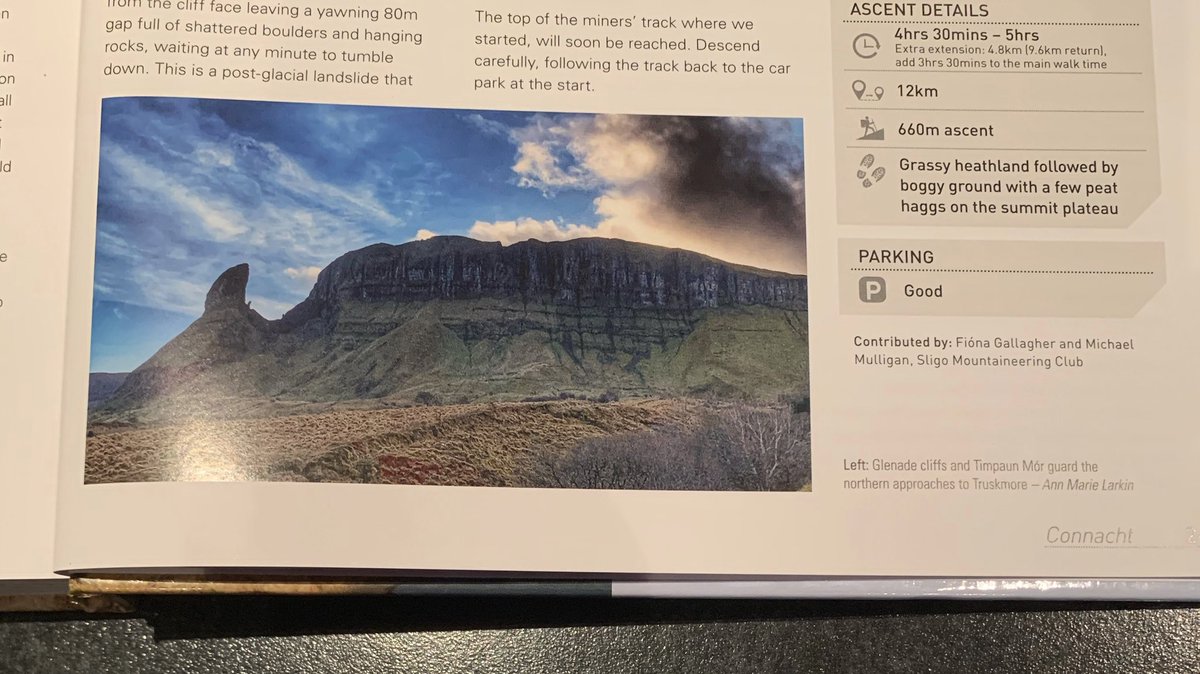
x,y
866,46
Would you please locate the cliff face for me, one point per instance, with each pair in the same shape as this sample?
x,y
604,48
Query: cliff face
x,y
599,273
465,318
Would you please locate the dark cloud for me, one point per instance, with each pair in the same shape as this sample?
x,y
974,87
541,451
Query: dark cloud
x,y
722,174
732,188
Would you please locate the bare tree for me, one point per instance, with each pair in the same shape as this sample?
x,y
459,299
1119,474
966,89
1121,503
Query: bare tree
x,y
767,449
740,447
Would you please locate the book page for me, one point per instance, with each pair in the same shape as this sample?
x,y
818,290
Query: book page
x,y
38,52
836,288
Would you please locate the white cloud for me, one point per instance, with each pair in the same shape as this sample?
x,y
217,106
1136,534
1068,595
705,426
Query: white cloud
x,y
548,158
287,222
424,235
307,274
539,167
292,176
220,223
488,126
269,308
173,294
115,245
614,151
523,229
212,155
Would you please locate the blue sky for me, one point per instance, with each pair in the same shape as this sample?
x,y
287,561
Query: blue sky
x,y
189,188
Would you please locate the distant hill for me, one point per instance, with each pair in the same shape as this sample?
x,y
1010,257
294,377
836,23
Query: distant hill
x,y
452,319
102,385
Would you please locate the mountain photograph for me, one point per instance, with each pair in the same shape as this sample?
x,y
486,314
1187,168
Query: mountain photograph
x,y
563,300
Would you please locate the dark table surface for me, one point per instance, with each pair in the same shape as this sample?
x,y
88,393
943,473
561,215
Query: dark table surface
x,y
206,634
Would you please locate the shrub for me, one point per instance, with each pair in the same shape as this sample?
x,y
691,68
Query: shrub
x,y
797,402
644,460
428,399
740,447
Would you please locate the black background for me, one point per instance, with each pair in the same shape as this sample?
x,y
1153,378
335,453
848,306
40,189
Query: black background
x,y
455,634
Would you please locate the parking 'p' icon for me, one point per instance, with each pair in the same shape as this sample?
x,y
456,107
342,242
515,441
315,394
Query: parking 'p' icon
x,y
872,289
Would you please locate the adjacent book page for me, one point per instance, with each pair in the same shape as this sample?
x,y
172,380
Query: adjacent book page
x,y
766,288
38,58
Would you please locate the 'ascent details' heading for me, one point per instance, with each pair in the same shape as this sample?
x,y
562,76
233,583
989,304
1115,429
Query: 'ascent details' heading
x,y
935,9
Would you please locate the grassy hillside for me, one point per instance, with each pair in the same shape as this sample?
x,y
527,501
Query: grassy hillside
x,y
486,350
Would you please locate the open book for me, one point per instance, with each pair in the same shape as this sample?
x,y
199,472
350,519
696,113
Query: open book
x,y
746,291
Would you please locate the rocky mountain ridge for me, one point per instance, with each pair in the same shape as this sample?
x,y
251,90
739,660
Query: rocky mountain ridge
x,y
579,272
470,319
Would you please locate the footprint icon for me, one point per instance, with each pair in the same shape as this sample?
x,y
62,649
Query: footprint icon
x,y
876,176
866,175
866,164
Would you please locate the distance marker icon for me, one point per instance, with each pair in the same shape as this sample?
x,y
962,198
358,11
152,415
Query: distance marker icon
x,y
859,88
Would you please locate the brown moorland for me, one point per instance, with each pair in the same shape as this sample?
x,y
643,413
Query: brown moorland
x,y
481,444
